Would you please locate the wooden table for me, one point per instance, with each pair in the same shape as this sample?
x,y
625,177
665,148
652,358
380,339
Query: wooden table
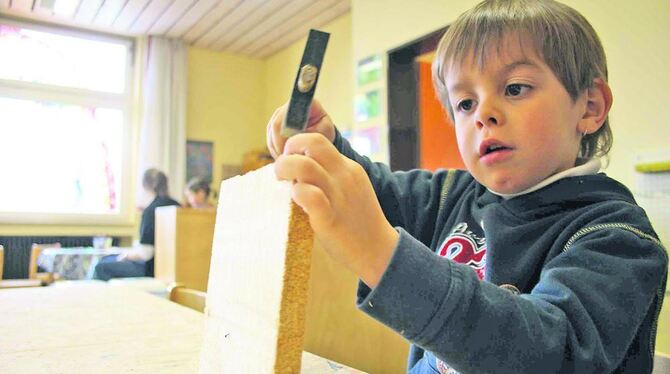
x,y
102,329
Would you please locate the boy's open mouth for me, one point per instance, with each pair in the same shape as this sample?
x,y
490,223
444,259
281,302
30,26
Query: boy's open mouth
x,y
495,148
490,146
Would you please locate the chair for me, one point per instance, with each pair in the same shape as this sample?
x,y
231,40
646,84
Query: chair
x,y
15,283
2,259
20,283
661,363
188,297
35,252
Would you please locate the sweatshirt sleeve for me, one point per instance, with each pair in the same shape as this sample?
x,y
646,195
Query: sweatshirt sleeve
x,y
582,316
408,199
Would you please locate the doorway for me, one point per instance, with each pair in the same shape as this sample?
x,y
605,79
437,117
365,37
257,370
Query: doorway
x,y
421,134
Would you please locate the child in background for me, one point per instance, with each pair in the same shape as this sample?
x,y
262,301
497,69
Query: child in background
x,y
138,261
197,192
531,261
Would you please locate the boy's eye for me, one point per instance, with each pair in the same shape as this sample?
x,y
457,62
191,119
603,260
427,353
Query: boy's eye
x,y
515,89
464,105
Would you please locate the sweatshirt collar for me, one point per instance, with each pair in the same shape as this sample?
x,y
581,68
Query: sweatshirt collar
x,y
583,167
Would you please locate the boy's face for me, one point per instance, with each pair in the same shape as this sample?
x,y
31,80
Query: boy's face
x,y
515,122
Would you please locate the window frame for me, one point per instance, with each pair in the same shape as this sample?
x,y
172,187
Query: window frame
x,y
77,96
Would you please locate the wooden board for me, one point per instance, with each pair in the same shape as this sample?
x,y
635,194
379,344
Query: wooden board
x,y
258,279
334,328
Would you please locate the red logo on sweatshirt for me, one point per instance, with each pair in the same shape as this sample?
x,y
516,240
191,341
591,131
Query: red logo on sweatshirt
x,y
465,247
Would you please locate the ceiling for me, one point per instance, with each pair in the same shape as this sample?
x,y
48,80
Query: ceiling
x,y
256,28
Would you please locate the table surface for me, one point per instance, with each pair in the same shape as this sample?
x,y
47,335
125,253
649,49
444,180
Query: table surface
x,y
103,329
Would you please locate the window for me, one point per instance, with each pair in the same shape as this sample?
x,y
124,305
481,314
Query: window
x,y
64,126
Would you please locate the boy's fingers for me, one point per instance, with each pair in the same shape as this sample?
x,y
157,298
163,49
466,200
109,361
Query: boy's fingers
x,y
314,201
315,146
302,169
316,114
318,122
275,141
269,142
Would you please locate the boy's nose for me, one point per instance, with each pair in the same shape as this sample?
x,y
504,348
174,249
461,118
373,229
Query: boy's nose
x,y
490,121
488,115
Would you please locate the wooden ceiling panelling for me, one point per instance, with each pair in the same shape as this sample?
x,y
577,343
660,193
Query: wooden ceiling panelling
x,y
256,28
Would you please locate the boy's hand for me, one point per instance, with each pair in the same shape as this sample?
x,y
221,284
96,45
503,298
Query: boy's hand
x,y
318,122
341,203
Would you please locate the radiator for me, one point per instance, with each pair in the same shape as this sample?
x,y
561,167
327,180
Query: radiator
x,y
17,250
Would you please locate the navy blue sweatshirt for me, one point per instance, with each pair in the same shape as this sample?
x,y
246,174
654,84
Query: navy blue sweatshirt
x,y
573,275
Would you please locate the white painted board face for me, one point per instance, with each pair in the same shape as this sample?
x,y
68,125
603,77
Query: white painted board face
x,y
247,278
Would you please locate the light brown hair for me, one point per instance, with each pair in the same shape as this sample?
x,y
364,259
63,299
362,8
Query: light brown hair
x,y
561,36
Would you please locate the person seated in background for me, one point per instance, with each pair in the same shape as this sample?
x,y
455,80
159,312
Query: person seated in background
x,y
197,193
138,261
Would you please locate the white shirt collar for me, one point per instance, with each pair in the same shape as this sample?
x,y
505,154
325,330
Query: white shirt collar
x,y
584,167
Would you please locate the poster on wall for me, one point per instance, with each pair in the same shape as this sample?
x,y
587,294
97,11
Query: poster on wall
x,y
199,159
367,105
369,70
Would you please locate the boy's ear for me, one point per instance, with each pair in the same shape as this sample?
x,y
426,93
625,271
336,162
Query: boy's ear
x,y
598,104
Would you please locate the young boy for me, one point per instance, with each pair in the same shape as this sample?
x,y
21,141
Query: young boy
x,y
528,262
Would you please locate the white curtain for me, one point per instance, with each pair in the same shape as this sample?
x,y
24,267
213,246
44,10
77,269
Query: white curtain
x,y
162,136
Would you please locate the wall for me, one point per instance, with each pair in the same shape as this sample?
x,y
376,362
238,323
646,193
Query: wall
x,y
634,36
335,86
225,100
381,25
635,39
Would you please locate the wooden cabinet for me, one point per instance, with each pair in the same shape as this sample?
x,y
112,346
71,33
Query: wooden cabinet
x,y
184,245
